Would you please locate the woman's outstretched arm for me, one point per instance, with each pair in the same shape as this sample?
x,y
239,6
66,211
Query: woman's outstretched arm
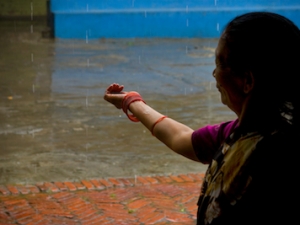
x,y
173,134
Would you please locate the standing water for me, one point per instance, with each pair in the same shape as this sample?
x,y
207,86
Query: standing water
x,y
55,125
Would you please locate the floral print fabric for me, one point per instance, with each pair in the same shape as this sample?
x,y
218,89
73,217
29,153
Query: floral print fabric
x,y
227,177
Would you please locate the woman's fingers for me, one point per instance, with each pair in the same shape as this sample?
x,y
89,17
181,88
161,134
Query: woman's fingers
x,y
115,88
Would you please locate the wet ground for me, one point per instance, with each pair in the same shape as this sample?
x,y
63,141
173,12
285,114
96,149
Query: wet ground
x,y
55,125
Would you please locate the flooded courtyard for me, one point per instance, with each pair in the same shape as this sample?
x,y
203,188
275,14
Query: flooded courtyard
x,y
55,125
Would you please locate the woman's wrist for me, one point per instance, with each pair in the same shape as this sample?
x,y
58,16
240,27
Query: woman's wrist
x,y
130,98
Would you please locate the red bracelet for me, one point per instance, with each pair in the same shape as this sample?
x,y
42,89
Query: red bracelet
x,y
129,98
157,121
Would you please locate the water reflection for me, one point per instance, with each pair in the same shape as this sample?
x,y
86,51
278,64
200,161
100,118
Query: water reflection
x,y
55,125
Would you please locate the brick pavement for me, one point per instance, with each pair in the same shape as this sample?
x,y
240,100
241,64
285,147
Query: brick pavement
x,y
132,201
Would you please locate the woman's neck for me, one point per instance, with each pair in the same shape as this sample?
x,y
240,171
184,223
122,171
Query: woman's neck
x,y
258,115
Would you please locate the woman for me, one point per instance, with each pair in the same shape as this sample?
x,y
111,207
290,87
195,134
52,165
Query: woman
x,y
252,173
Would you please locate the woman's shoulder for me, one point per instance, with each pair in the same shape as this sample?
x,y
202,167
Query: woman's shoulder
x,y
220,130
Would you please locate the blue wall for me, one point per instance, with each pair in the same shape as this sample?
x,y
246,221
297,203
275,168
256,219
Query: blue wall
x,y
90,19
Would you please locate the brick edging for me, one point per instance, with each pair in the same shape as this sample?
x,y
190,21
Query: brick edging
x,y
97,184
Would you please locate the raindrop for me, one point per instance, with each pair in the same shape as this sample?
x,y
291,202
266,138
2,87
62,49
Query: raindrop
x,y
33,88
187,22
210,85
88,62
86,37
31,28
218,27
187,9
86,99
145,14
31,57
31,6
139,59
87,7
186,49
216,2
209,101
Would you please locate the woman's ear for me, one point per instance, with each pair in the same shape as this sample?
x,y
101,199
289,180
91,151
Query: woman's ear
x,y
249,82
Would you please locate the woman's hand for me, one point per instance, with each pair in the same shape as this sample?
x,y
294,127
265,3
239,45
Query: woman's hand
x,y
121,99
114,94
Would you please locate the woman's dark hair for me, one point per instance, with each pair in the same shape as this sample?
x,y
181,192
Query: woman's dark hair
x,y
268,45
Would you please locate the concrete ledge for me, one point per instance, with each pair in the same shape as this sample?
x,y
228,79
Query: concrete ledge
x,y
83,5
182,10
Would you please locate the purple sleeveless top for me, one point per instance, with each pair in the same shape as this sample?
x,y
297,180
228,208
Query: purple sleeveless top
x,y
207,140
